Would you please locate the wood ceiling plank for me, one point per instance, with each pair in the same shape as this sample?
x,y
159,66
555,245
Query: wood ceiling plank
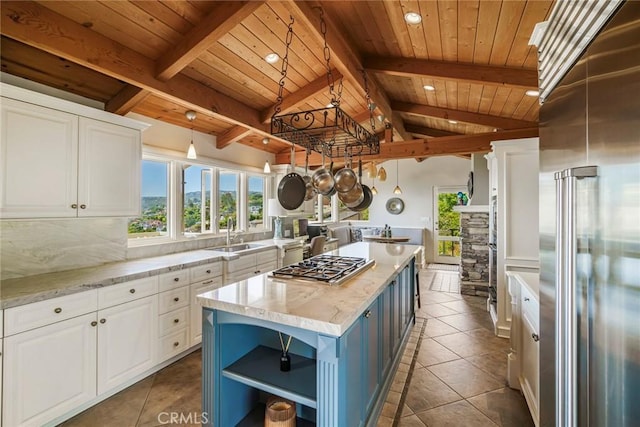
x,y
464,90
146,23
442,146
431,28
448,14
475,96
192,12
452,94
392,31
295,99
415,32
49,31
427,131
220,21
524,107
507,27
486,99
33,64
160,10
484,74
126,100
463,116
467,27
499,99
511,103
534,12
488,15
234,134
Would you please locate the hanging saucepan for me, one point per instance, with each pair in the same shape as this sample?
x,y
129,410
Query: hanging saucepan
x,y
292,189
346,179
368,195
310,191
322,179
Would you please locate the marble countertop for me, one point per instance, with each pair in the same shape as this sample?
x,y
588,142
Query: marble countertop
x,y
315,306
25,290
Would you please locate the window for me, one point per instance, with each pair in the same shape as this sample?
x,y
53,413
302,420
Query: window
x,y
155,196
255,202
228,199
198,199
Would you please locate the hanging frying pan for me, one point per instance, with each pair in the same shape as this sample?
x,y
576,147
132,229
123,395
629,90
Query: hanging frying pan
x,y
368,195
322,179
292,188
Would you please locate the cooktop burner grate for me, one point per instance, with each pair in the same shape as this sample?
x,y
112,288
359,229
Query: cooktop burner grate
x,y
332,269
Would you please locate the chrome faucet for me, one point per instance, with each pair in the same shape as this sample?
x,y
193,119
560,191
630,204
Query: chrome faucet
x,y
229,227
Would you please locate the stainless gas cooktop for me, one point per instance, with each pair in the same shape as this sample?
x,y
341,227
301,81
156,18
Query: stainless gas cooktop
x,y
331,269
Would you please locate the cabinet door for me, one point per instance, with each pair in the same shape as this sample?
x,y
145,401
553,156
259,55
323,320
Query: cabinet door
x,y
38,161
196,309
371,353
396,321
386,328
127,341
49,371
109,169
354,387
530,356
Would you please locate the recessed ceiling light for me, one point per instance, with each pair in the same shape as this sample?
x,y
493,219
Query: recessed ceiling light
x,y
453,122
412,18
272,58
532,93
428,87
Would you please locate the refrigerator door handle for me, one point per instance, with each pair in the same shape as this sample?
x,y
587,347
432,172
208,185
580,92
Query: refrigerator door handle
x,y
566,304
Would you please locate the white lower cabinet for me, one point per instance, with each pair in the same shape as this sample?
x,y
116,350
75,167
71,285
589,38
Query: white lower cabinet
x,y
49,371
126,341
196,309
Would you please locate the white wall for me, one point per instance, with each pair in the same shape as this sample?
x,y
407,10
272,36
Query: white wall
x,y
417,181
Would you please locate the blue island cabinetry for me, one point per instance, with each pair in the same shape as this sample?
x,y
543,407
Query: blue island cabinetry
x,y
335,381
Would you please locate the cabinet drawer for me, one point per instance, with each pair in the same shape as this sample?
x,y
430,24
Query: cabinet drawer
x,y
530,306
206,271
29,316
264,257
173,344
127,291
266,267
174,279
243,263
173,321
171,300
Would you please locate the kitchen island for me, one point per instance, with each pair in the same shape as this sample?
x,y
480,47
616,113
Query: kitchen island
x,y
347,341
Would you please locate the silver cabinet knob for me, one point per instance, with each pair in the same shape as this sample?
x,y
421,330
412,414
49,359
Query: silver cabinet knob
x,y
535,337
208,271
74,206
176,279
103,320
176,320
133,291
57,310
83,206
526,298
176,299
367,314
94,323
175,344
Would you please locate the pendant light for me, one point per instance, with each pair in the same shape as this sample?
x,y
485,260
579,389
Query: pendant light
x,y
267,167
374,190
372,170
382,174
397,190
191,152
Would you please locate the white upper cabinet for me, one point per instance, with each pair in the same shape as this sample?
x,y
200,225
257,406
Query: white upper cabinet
x,y
39,155
59,159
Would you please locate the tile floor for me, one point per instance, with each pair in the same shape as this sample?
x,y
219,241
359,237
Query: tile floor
x,y
453,373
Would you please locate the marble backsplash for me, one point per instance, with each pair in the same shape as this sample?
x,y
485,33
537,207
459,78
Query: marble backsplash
x,y
29,247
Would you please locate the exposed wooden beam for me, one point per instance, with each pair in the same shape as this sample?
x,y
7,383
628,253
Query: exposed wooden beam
x,y
37,26
345,58
427,131
443,146
300,96
231,136
461,116
126,100
225,16
473,73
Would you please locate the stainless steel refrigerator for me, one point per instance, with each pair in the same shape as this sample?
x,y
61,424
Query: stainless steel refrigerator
x,y
590,235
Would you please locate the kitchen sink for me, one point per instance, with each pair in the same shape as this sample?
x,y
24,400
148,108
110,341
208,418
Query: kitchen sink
x,y
236,248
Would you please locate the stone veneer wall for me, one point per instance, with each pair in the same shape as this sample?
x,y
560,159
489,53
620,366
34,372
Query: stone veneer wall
x,y
474,269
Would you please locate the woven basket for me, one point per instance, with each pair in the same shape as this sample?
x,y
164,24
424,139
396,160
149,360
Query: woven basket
x,y
280,413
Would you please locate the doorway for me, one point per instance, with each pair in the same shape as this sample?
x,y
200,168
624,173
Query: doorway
x,y
446,230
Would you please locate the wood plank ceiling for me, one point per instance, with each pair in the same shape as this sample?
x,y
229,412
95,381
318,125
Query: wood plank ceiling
x,y
161,58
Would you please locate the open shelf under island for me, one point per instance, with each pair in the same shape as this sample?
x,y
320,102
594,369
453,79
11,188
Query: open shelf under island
x,y
346,343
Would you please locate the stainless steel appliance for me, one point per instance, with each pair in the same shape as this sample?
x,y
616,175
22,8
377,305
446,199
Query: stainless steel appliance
x,y
590,235
331,269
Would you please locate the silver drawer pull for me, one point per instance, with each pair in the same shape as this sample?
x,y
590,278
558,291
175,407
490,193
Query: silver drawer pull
x,y
176,299
94,323
175,344
535,337
207,282
83,206
57,310
526,298
176,320
133,291
103,320
367,314
176,279
74,206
